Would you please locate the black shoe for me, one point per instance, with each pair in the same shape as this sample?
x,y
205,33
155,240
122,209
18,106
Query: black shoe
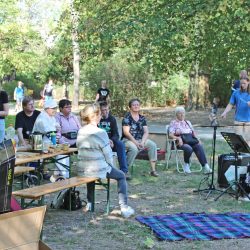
x,y
46,176
154,173
128,176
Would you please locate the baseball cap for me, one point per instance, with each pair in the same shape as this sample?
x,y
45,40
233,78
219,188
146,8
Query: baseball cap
x,y
50,104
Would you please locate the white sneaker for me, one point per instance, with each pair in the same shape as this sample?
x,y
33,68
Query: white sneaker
x,y
186,168
244,198
88,207
127,211
207,169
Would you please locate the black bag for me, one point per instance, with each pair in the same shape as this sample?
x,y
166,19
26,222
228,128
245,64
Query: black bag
x,y
189,139
245,181
76,202
70,135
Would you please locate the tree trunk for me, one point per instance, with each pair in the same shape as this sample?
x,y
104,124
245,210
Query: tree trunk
x,y
198,93
65,90
76,55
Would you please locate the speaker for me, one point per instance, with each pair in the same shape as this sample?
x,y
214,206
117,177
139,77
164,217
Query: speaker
x,y
224,162
7,164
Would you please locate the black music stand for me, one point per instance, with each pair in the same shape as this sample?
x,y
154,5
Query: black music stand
x,y
211,187
238,145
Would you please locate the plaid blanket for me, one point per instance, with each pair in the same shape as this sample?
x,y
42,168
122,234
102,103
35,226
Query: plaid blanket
x,y
202,226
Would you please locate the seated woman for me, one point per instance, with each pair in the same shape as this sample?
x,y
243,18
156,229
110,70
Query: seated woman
x,y
135,136
180,126
95,157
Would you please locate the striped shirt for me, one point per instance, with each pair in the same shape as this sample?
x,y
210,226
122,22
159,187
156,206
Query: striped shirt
x,y
95,157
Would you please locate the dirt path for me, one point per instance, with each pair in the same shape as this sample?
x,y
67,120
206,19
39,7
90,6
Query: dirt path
x,y
197,117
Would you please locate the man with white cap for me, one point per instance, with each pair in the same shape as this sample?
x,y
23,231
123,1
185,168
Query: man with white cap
x,y
45,124
46,121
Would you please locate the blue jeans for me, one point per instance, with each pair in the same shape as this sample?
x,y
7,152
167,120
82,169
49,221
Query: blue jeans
x,y
197,149
119,148
115,174
2,129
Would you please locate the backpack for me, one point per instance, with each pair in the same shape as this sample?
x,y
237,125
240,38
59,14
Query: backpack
x,y
58,200
76,202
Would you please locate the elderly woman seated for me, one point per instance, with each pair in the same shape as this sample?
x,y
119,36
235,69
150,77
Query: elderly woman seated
x,y
180,129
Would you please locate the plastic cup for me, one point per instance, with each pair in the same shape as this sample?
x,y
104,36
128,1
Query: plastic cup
x,y
46,147
65,146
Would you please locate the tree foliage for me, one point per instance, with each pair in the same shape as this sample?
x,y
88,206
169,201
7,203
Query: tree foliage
x,y
140,46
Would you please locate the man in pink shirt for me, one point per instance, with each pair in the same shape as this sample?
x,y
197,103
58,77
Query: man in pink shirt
x,y
69,126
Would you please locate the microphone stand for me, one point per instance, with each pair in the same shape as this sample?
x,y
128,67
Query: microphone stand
x,y
211,187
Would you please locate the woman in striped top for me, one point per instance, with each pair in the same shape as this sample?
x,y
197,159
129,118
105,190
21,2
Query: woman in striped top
x,y
95,158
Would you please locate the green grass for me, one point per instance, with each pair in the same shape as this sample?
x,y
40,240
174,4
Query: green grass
x,y
170,193
10,119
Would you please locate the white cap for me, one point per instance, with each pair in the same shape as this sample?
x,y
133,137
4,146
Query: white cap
x,y
50,104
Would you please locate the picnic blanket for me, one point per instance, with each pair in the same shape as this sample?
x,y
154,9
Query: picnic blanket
x,y
198,226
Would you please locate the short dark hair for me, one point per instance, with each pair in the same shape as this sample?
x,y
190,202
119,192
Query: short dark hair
x,y
103,104
63,103
26,100
133,100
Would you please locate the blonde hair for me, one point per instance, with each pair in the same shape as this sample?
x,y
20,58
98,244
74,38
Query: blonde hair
x,y
89,112
179,110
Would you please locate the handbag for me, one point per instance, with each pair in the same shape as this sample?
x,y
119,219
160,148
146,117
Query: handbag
x,y
189,139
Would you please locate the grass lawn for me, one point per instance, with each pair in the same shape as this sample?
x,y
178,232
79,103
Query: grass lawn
x,y
10,119
170,193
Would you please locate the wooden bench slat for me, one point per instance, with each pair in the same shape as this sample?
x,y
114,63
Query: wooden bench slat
x,y
22,170
39,191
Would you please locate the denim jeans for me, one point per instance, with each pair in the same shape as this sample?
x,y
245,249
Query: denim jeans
x,y
2,129
197,149
115,174
119,148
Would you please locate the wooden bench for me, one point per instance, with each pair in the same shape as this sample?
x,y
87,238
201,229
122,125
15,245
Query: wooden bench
x,y
19,170
38,192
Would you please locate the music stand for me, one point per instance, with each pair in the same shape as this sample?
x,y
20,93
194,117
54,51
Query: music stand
x,y
238,145
211,187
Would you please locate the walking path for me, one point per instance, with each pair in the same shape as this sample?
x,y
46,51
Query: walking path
x,y
155,114
202,131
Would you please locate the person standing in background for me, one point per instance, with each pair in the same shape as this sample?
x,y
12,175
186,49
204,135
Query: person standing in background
x,y
241,100
18,96
103,93
236,83
48,91
4,111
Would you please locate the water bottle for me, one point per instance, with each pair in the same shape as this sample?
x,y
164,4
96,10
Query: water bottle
x,y
53,138
10,132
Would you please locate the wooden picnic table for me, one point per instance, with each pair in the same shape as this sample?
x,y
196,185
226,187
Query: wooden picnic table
x,y
26,157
